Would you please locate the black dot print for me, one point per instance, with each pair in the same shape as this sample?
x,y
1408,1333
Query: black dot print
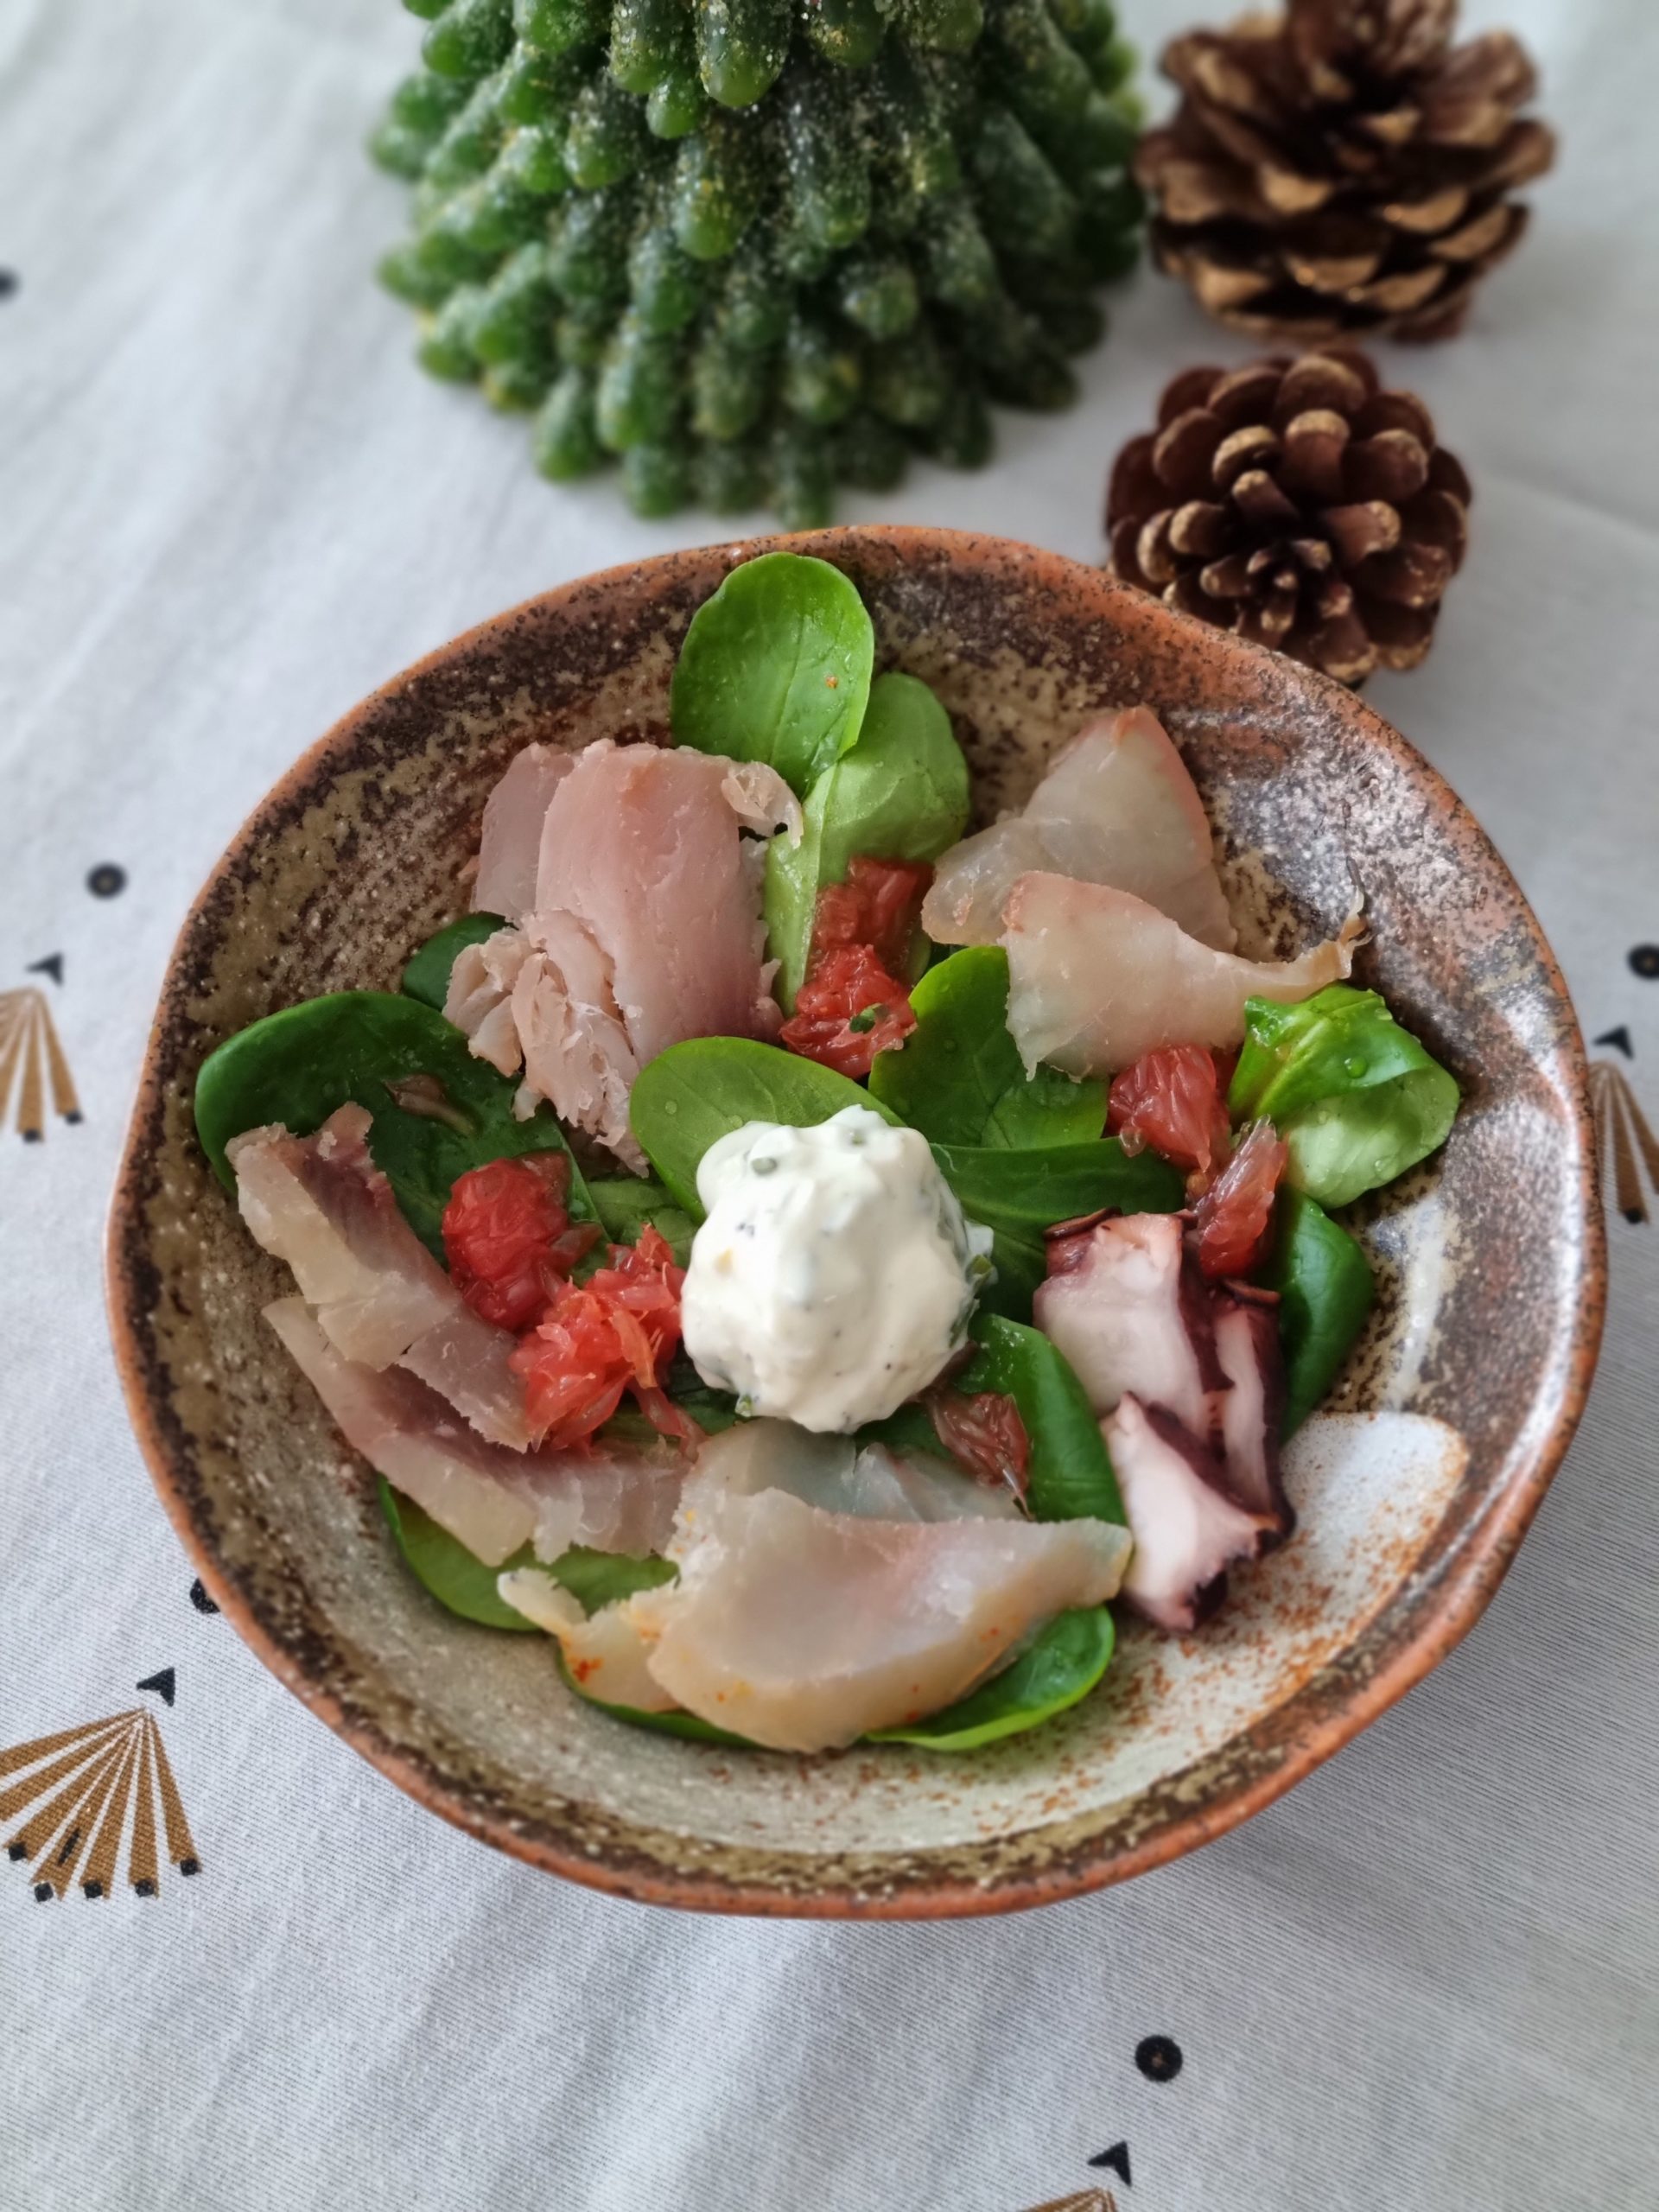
x,y
1644,961
1159,2059
107,881
8,283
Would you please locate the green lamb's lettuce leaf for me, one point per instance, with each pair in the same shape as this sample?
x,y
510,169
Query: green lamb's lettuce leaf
x,y
427,975
1325,1290
958,1077
901,794
1355,1096
297,1066
1062,1665
776,666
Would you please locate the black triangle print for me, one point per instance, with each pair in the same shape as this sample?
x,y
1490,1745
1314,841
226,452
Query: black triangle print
x,y
199,1599
1621,1038
165,1684
1117,2161
51,966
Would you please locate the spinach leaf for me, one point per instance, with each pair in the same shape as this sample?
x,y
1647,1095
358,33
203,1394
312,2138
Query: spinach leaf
x,y
958,1077
1325,1290
1018,1194
672,1723
465,1586
1070,1477
598,1579
1355,1096
461,1583
776,666
1062,1665
901,794
696,1092
297,1066
626,1202
427,976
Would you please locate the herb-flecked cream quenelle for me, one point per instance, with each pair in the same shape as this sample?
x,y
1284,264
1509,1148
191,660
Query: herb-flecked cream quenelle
x,y
834,1276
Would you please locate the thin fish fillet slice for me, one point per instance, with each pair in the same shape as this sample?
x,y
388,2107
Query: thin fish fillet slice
x,y
1116,806
804,1630
605,1651
321,1204
490,1499
642,847
1098,978
510,845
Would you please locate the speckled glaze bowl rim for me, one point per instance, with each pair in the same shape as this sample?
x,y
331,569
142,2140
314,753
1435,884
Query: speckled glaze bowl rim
x,y
1463,1587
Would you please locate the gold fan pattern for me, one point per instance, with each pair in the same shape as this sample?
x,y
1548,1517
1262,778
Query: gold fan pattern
x,y
32,1065
1628,1149
93,1800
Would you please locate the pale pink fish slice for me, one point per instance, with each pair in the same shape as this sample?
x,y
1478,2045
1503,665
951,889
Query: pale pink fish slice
x,y
803,1628
1098,977
491,1499
578,1054
320,1203
607,1652
642,847
834,1473
412,1437
510,845
1116,806
480,998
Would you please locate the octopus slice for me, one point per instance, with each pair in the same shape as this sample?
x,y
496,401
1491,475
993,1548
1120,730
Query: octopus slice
x,y
1130,1313
1188,1527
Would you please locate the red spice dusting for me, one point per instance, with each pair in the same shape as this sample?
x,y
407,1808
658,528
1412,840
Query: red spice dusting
x,y
615,1332
508,1237
1233,1220
861,934
983,1431
1173,1100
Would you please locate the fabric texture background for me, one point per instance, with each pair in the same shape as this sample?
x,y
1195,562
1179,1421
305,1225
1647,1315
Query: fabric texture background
x,y
230,507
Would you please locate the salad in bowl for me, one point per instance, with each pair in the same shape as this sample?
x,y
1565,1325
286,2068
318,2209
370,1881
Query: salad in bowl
x,y
816,1263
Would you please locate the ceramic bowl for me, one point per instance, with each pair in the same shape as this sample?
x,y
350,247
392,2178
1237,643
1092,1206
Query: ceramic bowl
x,y
1458,1404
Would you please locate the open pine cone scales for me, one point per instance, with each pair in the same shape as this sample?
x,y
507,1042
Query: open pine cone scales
x,y
1294,502
1342,166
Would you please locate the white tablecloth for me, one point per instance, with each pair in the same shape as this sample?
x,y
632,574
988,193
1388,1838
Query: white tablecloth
x,y
229,507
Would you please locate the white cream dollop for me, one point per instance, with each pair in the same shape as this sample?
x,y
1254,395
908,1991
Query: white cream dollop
x,y
835,1274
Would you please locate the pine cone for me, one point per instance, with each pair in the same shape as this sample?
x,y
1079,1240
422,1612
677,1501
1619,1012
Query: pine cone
x,y
756,247
1342,166
1296,503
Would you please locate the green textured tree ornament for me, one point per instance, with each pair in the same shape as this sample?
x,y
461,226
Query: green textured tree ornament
x,y
756,248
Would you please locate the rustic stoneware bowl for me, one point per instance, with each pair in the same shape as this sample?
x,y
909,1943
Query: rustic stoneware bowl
x,y
1460,1399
